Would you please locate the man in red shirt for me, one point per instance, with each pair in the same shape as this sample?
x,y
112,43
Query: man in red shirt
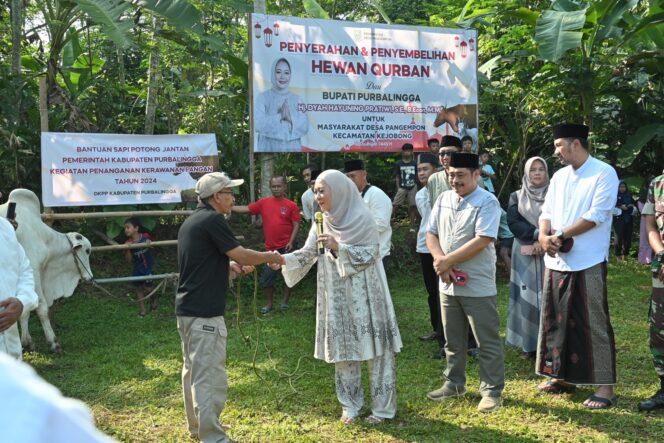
x,y
281,220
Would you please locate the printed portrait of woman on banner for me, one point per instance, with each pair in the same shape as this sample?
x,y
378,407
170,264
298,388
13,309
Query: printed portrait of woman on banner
x,y
278,123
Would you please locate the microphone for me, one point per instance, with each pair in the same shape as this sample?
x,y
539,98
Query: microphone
x,y
318,217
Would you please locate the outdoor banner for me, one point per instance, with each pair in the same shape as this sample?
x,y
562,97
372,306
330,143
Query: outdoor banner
x,y
119,169
329,85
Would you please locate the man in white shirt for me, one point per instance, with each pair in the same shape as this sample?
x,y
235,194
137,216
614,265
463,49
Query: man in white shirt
x,y
426,167
33,411
17,289
378,202
576,343
308,195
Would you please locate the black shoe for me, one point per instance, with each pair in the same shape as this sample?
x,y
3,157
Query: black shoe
x,y
654,402
440,355
431,336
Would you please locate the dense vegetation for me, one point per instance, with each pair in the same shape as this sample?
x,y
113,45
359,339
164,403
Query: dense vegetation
x,y
150,66
181,66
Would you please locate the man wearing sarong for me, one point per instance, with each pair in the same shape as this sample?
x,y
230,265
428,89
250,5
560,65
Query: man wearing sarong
x,y
653,211
575,344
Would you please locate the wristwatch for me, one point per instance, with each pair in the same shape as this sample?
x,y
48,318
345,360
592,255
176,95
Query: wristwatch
x,y
560,234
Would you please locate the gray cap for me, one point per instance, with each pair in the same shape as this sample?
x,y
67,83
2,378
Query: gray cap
x,y
214,182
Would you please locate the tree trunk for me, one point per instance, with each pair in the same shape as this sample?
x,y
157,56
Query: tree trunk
x,y
17,35
153,81
121,69
267,160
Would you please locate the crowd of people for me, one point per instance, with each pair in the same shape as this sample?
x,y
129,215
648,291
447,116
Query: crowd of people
x,y
556,233
554,236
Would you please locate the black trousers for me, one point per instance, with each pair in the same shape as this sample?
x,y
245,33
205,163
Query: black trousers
x,y
623,231
431,283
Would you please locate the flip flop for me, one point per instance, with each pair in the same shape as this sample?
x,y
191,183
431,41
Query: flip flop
x,y
605,403
347,420
266,310
556,387
375,420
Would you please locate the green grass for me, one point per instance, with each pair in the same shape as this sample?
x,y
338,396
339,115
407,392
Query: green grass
x,y
128,370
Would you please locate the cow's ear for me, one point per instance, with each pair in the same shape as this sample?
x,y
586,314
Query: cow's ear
x,y
75,239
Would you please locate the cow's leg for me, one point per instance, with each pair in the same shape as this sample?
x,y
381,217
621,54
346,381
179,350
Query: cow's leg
x,y
26,340
42,312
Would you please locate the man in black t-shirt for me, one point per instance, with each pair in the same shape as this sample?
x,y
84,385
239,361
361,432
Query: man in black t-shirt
x,y
206,247
405,172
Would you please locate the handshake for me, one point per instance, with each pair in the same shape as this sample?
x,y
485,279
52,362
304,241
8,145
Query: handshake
x,y
274,260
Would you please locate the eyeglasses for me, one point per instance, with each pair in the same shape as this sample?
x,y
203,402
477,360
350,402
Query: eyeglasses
x,y
444,153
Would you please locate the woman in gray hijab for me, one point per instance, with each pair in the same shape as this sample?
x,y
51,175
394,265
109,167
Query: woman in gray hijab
x,y
526,277
278,122
355,320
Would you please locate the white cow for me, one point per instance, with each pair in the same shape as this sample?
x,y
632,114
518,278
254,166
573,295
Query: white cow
x,y
58,260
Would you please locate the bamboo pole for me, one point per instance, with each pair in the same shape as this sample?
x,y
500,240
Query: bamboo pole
x,y
137,278
124,247
126,214
252,160
43,119
127,246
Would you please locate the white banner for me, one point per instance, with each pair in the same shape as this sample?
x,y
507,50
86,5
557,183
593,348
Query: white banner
x,y
328,85
119,169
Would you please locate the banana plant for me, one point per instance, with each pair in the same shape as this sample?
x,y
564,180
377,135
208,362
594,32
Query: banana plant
x,y
575,35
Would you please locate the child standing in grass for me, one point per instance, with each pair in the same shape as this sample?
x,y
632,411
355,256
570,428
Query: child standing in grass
x,y
142,261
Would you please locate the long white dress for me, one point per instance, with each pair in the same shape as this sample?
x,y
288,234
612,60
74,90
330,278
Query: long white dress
x,y
355,318
274,134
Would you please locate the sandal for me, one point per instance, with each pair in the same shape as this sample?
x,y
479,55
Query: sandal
x,y
556,387
375,420
347,420
605,403
266,309
284,306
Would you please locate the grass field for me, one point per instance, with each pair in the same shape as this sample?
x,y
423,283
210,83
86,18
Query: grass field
x,y
128,370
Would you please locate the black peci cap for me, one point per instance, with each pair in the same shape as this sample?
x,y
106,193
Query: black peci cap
x,y
570,130
465,160
353,165
450,140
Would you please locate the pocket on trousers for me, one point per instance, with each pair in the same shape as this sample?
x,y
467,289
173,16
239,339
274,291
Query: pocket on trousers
x,y
212,326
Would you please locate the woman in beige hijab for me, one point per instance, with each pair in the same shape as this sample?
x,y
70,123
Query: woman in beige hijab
x,y
355,320
526,278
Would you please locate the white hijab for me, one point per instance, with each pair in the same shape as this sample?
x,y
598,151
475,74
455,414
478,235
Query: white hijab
x,y
349,220
530,197
273,76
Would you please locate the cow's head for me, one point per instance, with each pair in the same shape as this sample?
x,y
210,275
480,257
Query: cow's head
x,y
81,249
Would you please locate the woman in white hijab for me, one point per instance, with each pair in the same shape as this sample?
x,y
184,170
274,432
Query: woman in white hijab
x,y
355,319
526,279
278,122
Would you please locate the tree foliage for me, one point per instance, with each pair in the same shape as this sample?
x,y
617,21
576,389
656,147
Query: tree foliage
x,y
542,62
